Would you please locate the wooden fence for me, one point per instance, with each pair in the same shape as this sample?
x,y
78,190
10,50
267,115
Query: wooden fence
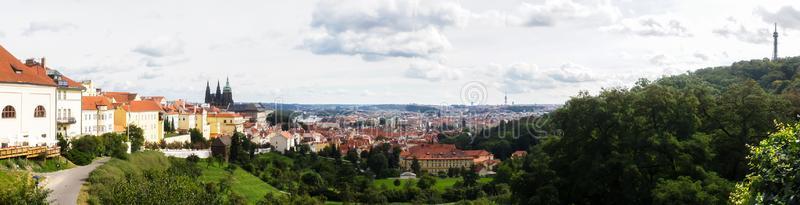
x,y
29,152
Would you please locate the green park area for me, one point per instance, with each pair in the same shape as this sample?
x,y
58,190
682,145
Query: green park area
x,y
441,183
244,183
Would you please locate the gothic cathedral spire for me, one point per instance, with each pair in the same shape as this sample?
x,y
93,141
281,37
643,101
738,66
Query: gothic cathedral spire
x,y
208,93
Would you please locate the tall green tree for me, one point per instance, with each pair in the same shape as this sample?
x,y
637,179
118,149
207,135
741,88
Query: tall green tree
x,y
775,178
136,137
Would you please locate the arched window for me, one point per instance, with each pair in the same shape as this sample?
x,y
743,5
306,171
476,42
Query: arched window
x,y
9,112
39,111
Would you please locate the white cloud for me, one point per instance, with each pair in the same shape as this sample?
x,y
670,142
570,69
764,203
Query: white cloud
x,y
572,73
684,60
51,26
786,16
432,71
744,31
164,61
650,26
161,46
426,43
375,30
552,12
524,77
148,75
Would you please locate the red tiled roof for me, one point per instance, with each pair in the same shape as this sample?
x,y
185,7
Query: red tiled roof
x,y
154,98
476,153
71,83
142,106
225,114
91,102
519,153
27,75
120,97
439,151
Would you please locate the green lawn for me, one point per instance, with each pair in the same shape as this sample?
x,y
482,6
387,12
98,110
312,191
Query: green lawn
x,y
441,183
244,183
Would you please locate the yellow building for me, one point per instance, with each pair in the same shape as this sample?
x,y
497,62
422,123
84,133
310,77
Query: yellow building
x,y
144,114
189,116
225,123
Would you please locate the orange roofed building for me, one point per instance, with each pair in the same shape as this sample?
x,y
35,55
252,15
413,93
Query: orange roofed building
x,y
142,113
435,158
97,115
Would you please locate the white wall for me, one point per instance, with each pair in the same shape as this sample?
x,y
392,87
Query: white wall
x,y
97,122
68,104
24,98
184,153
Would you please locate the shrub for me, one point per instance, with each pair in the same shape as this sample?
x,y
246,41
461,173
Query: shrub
x,y
19,188
79,157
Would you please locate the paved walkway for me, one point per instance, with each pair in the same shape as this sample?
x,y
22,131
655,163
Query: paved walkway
x,y
66,184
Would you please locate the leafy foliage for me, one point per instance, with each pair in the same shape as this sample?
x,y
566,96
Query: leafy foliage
x,y
20,188
84,149
136,137
775,178
678,140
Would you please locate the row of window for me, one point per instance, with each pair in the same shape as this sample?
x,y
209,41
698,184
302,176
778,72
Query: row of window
x,y
145,117
64,113
61,95
10,112
101,128
96,116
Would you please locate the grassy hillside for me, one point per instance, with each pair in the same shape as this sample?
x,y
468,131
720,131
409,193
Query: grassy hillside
x,y
244,183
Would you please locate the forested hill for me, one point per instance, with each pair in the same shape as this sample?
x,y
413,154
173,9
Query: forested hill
x,y
680,139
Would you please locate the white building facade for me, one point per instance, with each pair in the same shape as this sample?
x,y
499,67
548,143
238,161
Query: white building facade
x,y
283,141
97,115
28,103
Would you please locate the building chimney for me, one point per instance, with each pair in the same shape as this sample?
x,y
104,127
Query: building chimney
x,y
30,62
43,65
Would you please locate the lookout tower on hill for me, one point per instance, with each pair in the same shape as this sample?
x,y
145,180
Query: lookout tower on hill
x,y
775,43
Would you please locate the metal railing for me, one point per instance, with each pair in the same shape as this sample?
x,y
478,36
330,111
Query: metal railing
x,y
66,120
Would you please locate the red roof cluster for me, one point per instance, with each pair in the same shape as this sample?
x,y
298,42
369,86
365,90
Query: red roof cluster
x,y
91,102
121,97
14,71
142,106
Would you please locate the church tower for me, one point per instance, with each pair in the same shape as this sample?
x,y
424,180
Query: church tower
x,y
208,93
217,96
227,94
775,43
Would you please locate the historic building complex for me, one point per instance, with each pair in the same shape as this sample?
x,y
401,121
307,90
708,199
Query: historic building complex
x,y
219,99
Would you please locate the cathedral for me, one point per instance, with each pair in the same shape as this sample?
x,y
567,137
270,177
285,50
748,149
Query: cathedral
x,y
220,99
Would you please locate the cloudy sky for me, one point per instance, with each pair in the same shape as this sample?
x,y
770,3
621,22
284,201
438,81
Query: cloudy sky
x,y
391,51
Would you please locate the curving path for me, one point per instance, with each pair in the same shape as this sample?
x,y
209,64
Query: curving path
x,y
66,184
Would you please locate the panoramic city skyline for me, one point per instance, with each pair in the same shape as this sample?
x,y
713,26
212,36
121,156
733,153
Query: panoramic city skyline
x,y
391,51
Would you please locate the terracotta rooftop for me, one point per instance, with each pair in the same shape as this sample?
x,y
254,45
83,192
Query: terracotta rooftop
x,y
91,102
142,106
14,71
121,97
439,151
224,114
